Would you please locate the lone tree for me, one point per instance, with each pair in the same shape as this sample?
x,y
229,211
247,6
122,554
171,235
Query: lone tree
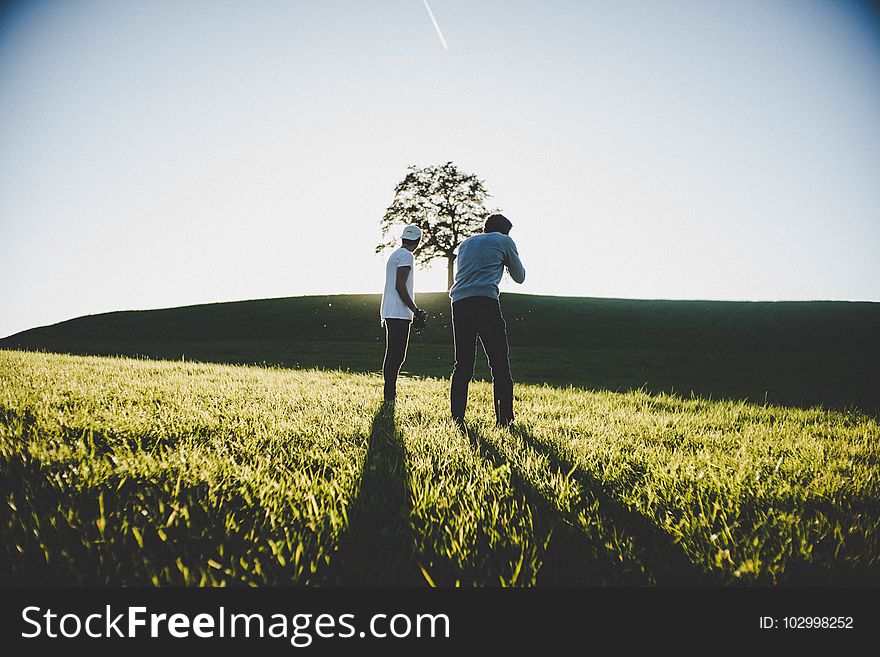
x,y
446,203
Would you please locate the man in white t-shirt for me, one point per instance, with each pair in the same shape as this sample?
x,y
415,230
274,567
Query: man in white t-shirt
x,y
398,307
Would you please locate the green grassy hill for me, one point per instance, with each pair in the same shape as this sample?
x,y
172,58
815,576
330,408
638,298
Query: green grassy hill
x,y
131,472
796,353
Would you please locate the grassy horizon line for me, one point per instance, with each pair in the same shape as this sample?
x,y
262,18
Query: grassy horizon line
x,y
800,353
445,294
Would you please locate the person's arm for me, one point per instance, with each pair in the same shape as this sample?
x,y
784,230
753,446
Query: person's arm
x,y
514,264
400,286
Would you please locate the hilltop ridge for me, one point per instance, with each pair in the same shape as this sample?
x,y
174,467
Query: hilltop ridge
x,y
818,352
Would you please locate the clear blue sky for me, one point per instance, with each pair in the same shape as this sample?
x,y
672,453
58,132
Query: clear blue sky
x,y
166,153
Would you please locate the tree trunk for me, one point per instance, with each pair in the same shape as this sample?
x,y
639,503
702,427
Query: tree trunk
x,y
449,271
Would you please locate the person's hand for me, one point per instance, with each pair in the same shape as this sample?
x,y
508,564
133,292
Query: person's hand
x,y
420,319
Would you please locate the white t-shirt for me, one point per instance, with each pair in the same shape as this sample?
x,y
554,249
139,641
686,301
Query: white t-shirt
x,y
392,305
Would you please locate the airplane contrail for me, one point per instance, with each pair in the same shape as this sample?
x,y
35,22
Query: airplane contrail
x,y
436,24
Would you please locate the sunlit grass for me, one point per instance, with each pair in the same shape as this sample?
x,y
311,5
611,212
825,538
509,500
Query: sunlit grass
x,y
124,471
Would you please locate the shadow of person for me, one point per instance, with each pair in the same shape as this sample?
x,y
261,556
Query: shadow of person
x,y
584,555
377,547
570,556
667,561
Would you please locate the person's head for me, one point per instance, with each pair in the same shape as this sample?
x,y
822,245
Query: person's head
x,y
497,223
411,237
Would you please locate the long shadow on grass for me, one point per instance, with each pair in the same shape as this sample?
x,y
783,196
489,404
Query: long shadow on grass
x,y
665,559
616,547
571,558
377,548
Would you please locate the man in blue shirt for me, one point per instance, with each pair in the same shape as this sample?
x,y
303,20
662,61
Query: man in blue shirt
x,y
476,312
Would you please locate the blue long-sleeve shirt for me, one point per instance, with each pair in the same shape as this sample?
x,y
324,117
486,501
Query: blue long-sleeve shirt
x,y
480,264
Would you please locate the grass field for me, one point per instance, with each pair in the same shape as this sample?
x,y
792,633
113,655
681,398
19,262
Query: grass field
x,y
790,353
124,471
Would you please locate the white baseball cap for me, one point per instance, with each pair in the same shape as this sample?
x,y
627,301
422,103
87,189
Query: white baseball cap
x,y
412,233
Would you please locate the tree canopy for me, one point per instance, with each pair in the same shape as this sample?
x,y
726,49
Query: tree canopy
x,y
442,200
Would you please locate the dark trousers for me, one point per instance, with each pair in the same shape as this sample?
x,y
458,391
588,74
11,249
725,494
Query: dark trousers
x,y
475,317
396,340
